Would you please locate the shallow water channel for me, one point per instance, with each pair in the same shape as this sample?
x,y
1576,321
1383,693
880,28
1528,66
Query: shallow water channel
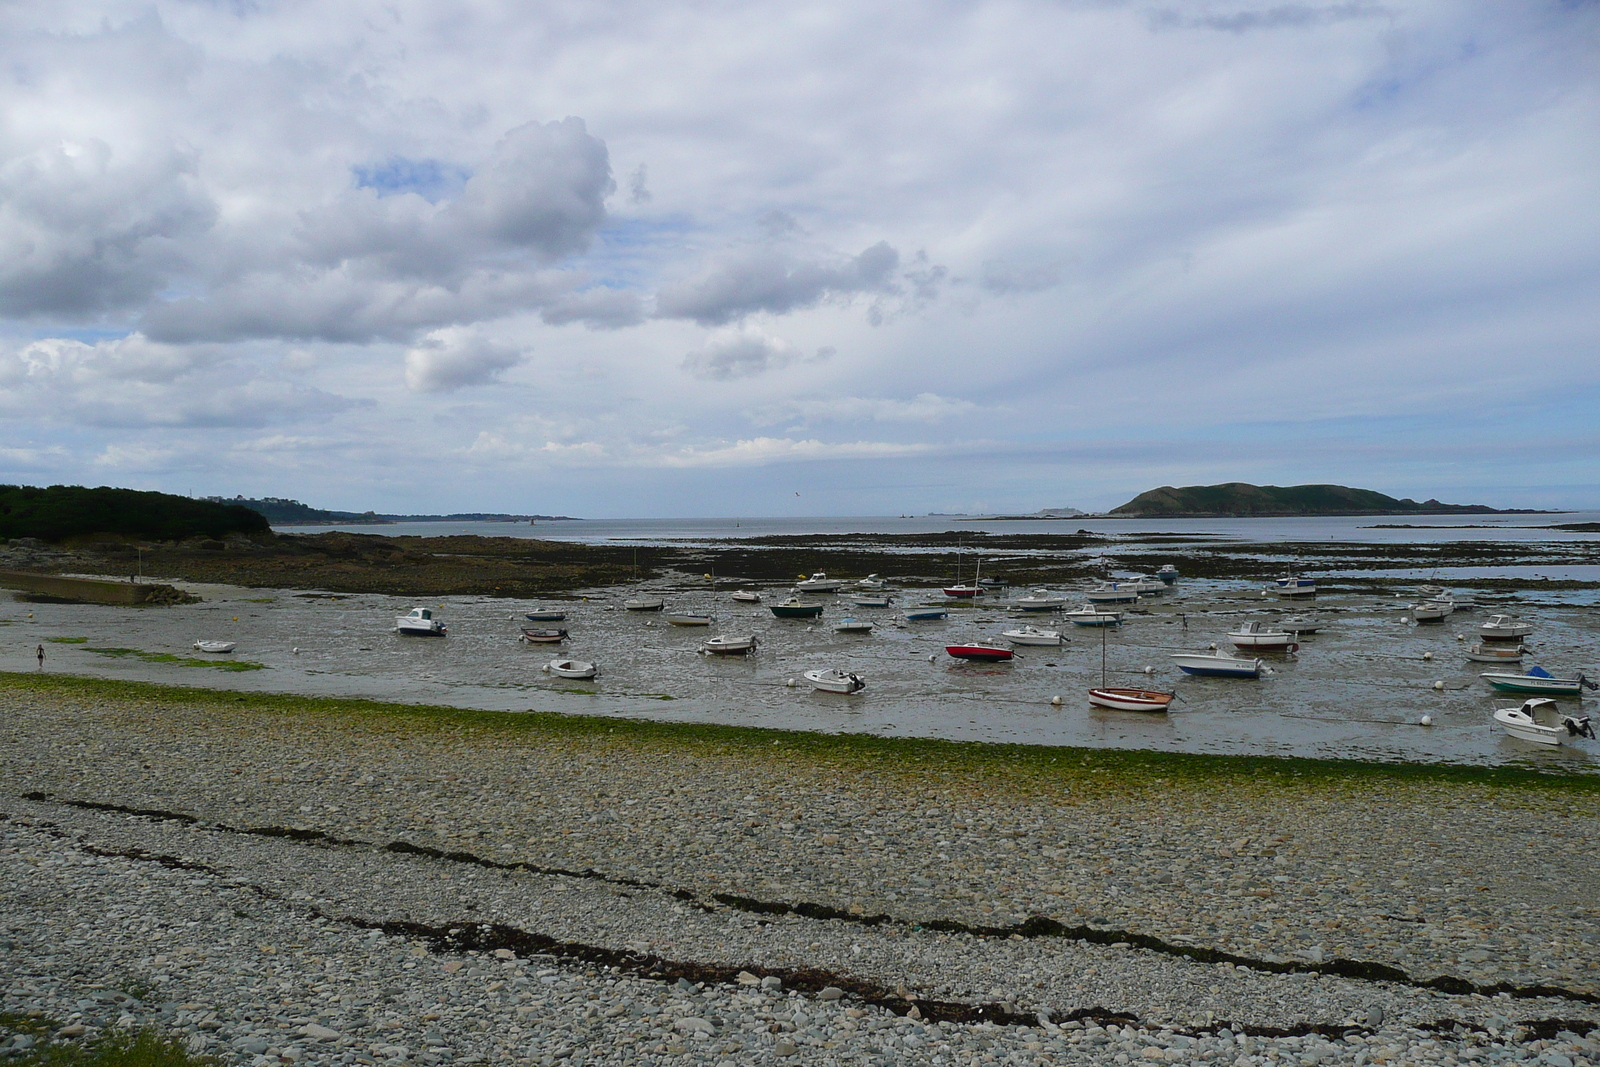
x,y
1356,689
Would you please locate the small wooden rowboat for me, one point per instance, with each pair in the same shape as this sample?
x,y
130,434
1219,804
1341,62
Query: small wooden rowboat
x,y
552,636
1130,699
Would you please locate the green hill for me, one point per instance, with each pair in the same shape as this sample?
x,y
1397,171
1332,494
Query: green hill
x,y
64,511
1242,500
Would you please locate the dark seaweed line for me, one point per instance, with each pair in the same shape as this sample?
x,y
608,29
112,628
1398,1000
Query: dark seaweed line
x,y
1033,927
471,936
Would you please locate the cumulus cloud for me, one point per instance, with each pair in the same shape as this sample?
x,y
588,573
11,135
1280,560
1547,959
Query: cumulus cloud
x,y
84,230
740,354
133,382
775,281
451,359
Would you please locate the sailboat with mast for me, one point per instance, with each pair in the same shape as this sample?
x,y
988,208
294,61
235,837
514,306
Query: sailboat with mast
x,y
966,592
1122,699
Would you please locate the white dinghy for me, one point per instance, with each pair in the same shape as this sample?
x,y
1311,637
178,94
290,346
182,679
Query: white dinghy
x,y
572,668
834,680
215,646
852,626
1542,721
728,645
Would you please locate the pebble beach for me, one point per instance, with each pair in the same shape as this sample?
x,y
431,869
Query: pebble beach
x,y
281,880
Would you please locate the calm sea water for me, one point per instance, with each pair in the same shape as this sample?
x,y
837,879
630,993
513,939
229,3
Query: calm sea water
x,y
1422,529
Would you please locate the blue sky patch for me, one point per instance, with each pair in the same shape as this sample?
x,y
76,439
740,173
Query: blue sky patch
x,y
431,179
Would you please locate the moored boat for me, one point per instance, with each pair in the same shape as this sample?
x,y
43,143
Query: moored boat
x,y
419,622
795,608
215,646
1292,584
980,653
1032,635
747,596
1542,721
819,583
1504,628
1041,600
1216,665
1254,636
1434,609
1487,653
1130,699
550,636
1089,615
645,603
926,614
1538,680
1113,593
688,618
726,645
572,668
870,600
1167,573
852,626
546,615
834,680
871,581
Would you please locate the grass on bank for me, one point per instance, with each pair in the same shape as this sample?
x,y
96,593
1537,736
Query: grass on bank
x,y
1141,768
181,661
114,1048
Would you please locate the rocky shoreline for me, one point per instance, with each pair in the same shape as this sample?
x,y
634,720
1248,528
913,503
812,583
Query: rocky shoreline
x,y
334,882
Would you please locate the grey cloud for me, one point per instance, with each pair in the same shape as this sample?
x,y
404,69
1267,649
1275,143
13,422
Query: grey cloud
x,y
598,308
453,359
638,192
769,280
1283,16
1020,276
740,355
84,232
132,382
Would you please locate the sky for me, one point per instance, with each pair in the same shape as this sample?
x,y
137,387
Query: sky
x,y
624,259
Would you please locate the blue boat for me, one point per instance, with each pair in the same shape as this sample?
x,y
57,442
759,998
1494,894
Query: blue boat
x,y
926,614
1213,665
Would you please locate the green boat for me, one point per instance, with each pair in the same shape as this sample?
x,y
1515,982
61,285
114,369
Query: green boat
x,y
795,608
1539,681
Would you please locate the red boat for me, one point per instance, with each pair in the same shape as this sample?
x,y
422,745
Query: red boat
x,y
964,591
981,653
1130,699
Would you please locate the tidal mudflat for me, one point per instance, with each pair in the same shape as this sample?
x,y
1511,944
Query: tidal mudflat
x,y
348,882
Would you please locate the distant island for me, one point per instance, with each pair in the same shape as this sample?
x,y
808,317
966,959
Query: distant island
x,y
280,511
1242,500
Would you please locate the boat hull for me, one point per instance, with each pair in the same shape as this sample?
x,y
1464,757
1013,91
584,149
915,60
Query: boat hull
x,y
1217,666
546,616
980,653
796,611
1037,638
869,601
690,620
578,669
654,604
1264,642
729,646
544,637
1130,699
1523,723
217,647
835,681
931,615
1545,687
420,630
1489,654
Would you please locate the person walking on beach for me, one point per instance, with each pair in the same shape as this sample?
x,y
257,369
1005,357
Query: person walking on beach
x,y
40,653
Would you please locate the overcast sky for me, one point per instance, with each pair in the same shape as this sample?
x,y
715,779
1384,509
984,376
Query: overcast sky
x,y
859,258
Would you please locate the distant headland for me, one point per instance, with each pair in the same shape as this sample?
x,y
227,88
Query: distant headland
x,y
1242,500
282,512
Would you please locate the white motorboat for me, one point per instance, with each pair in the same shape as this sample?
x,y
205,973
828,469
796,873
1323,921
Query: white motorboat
x,y
1167,573
1032,635
872,581
870,600
546,615
1542,721
1538,680
852,626
215,646
747,596
572,668
1486,653
820,583
1113,593
1434,609
1041,600
645,603
1089,615
725,645
1254,636
1145,584
686,618
834,680
1292,584
419,622
1504,628
1217,665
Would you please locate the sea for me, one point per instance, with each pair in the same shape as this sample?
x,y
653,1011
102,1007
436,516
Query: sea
x,y
1359,688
